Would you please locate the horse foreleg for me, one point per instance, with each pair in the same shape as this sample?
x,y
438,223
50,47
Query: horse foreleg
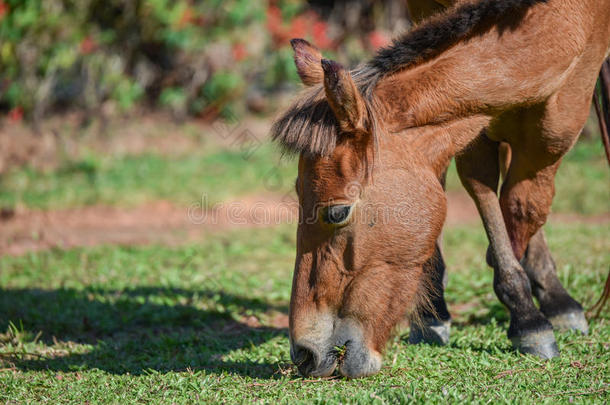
x,y
529,331
525,200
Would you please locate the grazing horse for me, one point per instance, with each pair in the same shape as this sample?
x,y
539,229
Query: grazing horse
x,y
374,145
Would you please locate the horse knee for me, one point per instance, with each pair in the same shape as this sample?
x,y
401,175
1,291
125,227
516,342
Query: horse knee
x,y
489,257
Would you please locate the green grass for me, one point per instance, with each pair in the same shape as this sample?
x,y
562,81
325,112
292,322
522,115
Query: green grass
x,y
582,182
197,324
218,174
205,323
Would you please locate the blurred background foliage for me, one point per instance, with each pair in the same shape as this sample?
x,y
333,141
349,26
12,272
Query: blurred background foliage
x,y
201,58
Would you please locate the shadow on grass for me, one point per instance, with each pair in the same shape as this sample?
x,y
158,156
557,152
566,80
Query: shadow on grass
x,y
141,330
493,311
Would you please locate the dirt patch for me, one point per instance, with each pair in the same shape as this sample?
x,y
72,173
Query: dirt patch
x,y
158,222
20,146
168,224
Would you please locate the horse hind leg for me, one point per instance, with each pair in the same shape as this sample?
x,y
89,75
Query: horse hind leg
x,y
564,312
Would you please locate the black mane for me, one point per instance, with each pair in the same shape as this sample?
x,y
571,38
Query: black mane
x,y
443,30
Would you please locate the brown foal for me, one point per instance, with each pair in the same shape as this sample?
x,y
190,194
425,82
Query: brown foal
x,y
374,145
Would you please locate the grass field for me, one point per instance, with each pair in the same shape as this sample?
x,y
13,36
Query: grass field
x,y
134,179
207,322
220,173
201,323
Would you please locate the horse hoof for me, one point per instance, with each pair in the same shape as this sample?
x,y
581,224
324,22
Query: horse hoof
x,y
541,344
431,331
574,320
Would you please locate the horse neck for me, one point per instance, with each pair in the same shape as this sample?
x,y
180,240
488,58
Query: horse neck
x,y
520,62
436,144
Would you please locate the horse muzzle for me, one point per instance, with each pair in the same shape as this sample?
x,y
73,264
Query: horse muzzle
x,y
318,354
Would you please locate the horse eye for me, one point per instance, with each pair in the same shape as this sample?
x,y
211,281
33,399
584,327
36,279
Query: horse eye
x,y
336,214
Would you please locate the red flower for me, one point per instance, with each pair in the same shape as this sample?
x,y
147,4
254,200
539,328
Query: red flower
x,y
239,52
378,39
15,114
319,33
298,28
87,45
305,25
274,19
187,17
4,9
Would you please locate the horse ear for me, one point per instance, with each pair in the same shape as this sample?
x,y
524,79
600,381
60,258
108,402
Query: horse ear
x,y
343,96
307,60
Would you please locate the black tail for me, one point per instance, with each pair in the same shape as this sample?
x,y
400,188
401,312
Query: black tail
x,y
602,107
596,309
440,32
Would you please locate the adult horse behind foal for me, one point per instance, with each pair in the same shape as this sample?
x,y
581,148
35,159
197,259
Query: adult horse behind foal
x,y
374,145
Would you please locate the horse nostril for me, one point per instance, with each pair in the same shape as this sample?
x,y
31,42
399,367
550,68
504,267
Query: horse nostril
x,y
304,359
312,361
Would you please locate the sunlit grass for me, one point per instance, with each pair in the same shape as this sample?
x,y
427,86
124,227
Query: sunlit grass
x,y
206,323
202,176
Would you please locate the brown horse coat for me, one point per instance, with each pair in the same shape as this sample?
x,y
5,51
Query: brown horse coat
x,y
374,143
